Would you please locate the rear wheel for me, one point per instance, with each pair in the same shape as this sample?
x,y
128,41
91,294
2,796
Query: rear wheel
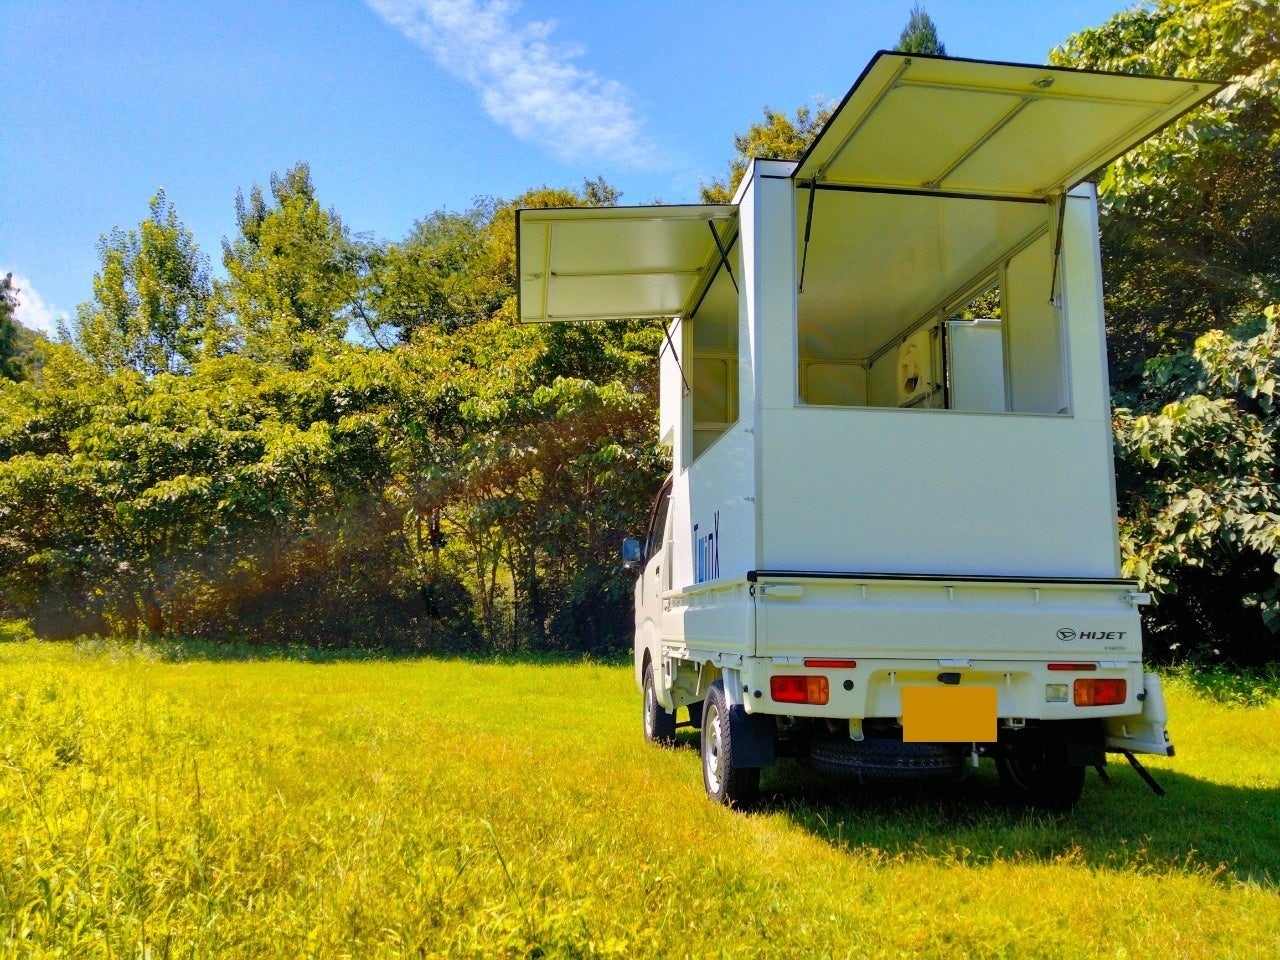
x,y
1036,770
726,781
659,724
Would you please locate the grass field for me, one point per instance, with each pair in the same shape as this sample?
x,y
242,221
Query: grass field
x,y
425,808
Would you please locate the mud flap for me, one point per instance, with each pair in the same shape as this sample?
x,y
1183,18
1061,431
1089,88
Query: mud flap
x,y
752,737
1084,744
1143,732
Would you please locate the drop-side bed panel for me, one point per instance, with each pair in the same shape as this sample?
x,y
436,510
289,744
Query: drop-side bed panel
x,y
886,617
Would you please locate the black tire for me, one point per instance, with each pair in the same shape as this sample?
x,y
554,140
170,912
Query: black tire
x,y
1036,771
659,724
727,783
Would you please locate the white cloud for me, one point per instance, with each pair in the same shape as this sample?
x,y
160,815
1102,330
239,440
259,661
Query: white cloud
x,y
32,310
526,81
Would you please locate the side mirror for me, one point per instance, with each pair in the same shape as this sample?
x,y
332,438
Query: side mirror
x,y
632,554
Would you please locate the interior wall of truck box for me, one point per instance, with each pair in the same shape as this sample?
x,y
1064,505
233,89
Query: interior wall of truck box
x,y
712,369
883,273
1035,356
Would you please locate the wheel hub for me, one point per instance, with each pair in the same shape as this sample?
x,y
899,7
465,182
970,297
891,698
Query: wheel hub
x,y
713,755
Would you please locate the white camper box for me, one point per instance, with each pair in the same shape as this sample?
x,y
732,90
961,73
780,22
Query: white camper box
x,y
888,542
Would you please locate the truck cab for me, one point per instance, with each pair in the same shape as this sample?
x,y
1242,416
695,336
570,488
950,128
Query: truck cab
x,y
888,543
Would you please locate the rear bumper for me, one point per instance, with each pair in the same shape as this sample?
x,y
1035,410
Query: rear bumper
x,y
1024,691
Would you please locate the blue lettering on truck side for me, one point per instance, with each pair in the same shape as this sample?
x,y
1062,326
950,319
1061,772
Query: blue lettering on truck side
x,y
706,552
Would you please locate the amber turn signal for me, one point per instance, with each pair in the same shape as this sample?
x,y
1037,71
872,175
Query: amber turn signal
x,y
799,689
1099,692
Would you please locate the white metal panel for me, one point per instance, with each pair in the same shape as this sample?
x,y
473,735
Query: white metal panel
x,y
864,619
602,263
773,285
975,365
750,341
927,491
1033,332
974,127
710,621
722,538
1081,286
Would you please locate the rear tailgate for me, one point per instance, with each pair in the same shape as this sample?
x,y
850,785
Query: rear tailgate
x,y
893,617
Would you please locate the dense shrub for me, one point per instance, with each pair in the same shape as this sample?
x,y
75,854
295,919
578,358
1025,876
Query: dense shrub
x,y
1199,501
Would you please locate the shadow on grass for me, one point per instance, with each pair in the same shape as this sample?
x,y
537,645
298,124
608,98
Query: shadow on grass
x,y
1229,832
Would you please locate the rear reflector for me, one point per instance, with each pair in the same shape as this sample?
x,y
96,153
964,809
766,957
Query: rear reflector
x,y
1073,666
799,689
1097,692
837,664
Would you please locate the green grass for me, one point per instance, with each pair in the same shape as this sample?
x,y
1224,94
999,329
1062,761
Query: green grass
x,y
444,808
1239,688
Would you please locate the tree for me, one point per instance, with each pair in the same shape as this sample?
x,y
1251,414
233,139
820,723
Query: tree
x,y
1199,485
1190,230
9,365
149,311
469,485
920,35
440,274
295,278
779,137
540,452
457,269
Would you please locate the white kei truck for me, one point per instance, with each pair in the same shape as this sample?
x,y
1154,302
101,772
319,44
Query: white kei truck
x,y
888,543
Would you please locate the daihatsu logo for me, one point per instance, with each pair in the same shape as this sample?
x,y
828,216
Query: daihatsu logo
x,y
1066,633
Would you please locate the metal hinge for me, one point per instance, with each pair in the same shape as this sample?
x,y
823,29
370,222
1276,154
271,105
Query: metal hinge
x,y
780,590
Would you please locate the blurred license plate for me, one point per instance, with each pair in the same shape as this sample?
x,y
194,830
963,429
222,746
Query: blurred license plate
x,y
945,714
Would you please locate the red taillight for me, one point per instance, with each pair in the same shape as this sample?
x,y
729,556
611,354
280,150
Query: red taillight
x,y
1073,666
799,689
1099,692
837,664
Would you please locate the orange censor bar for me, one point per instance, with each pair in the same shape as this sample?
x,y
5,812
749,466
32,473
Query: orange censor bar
x,y
1099,692
799,689
949,714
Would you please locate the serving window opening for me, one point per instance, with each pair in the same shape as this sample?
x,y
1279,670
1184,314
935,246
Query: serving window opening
x,y
926,302
711,344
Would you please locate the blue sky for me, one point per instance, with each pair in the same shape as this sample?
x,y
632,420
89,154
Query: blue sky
x,y
404,107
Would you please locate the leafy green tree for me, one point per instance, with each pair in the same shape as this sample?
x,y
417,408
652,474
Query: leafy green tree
x,y
1190,229
234,499
920,35
1199,484
468,486
295,278
536,477
441,274
149,311
9,365
535,453
779,137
